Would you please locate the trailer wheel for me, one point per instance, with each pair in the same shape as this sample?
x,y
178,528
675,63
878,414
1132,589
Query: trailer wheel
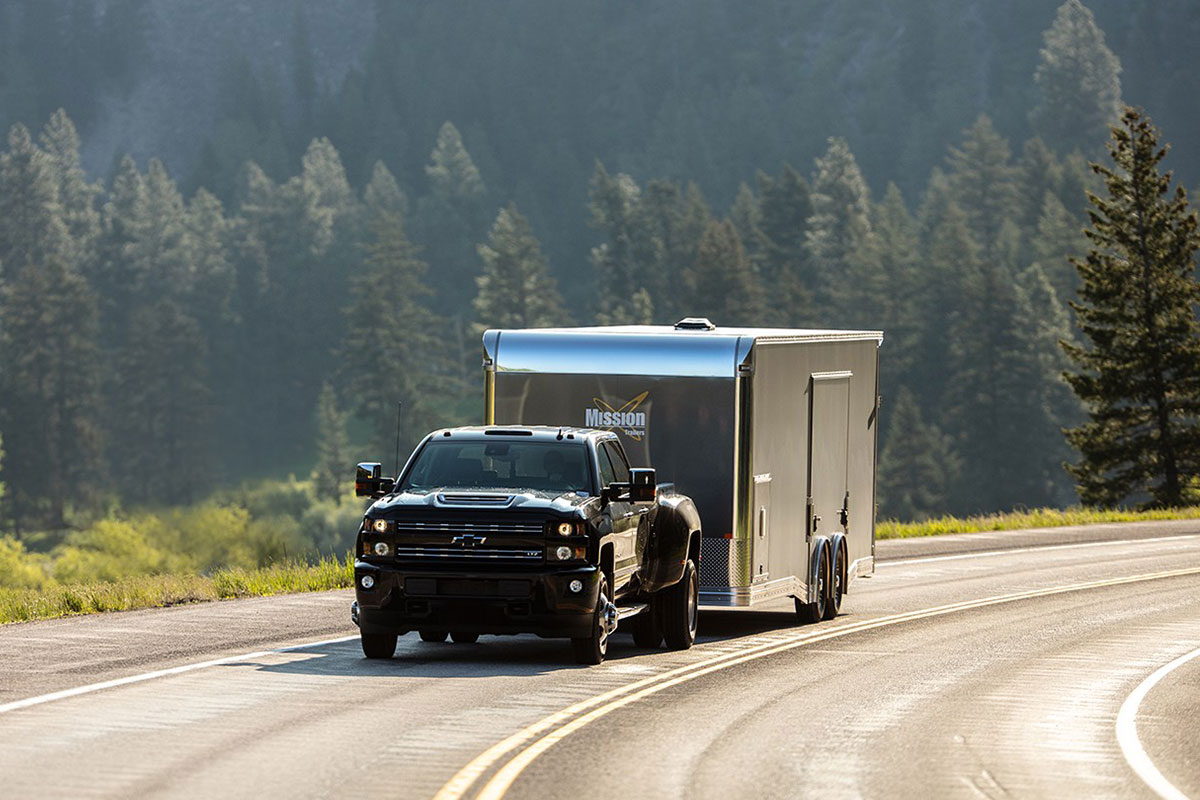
x,y
836,584
647,631
592,649
815,612
681,609
458,637
433,635
378,645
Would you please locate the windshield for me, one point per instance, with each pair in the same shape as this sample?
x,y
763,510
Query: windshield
x,y
544,466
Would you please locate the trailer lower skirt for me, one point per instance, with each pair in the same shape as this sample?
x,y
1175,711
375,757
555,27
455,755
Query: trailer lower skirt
x,y
741,596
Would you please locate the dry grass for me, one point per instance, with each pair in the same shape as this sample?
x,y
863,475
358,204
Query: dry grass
x,y
1017,520
157,591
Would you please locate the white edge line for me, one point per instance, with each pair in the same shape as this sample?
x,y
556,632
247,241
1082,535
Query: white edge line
x,y
879,564
161,673
1131,746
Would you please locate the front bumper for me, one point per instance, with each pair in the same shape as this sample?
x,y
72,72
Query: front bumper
x,y
476,600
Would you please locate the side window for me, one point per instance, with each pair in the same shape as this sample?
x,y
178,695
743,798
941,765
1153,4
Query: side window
x,y
618,462
607,473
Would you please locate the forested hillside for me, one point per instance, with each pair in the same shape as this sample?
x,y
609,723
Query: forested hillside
x,y
234,235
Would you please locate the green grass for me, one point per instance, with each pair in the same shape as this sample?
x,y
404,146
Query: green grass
x,y
157,591
1017,520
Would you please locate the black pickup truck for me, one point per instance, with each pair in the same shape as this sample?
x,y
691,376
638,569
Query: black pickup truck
x,y
524,530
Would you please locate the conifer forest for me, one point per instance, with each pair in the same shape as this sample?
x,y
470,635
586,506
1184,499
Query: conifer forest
x,y
234,236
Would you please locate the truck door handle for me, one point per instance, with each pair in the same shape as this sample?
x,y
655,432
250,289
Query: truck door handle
x,y
627,514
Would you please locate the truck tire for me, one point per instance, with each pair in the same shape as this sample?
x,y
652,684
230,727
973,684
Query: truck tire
x,y
647,631
378,645
459,637
681,609
815,612
433,635
592,649
837,566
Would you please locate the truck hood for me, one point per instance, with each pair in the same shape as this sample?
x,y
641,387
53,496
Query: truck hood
x,y
567,504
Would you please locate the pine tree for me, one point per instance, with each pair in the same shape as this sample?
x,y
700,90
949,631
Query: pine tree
x,y
1079,79
161,409
727,290
450,218
32,229
614,203
983,182
840,220
1057,239
333,447
390,334
60,142
383,194
515,289
50,392
785,204
916,466
666,223
1042,401
1140,376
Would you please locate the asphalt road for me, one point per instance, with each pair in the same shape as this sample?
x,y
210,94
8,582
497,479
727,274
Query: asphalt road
x,y
1056,664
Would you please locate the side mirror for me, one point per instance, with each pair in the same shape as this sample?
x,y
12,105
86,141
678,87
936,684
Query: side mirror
x,y
643,485
616,490
368,480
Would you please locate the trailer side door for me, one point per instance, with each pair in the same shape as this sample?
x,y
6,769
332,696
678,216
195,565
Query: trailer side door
x,y
828,438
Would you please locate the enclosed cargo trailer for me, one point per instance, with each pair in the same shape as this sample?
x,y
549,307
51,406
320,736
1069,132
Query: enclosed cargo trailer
x,y
772,432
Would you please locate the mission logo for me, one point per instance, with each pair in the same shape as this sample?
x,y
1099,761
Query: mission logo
x,y
624,417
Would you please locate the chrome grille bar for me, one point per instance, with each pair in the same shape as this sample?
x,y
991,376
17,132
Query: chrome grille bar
x,y
464,554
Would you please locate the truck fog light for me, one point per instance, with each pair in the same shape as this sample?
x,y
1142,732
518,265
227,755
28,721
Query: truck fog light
x,y
564,528
367,582
576,586
563,553
380,525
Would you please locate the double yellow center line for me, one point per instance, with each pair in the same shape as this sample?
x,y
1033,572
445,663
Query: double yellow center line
x,y
531,742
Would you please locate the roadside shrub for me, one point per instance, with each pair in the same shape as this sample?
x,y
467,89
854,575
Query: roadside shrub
x,y
112,549
19,569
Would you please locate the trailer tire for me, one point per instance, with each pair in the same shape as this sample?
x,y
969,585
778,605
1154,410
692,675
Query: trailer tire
x,y
815,611
458,637
837,589
647,631
378,645
592,649
681,609
433,635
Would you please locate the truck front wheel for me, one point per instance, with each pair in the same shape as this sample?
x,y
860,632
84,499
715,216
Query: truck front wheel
x,y
681,609
592,649
378,645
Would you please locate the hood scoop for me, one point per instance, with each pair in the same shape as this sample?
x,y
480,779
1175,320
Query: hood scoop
x,y
474,499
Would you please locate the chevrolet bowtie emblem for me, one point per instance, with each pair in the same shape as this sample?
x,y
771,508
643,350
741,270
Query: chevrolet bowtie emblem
x,y
467,540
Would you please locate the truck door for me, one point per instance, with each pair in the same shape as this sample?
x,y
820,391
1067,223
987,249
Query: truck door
x,y
828,437
625,515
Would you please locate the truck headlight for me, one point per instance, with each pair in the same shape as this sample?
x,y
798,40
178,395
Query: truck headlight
x,y
382,549
380,525
563,553
565,528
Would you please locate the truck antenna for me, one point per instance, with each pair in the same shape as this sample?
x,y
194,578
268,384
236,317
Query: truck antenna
x,y
399,406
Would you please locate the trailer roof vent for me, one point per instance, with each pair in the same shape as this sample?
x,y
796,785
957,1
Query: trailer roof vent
x,y
695,324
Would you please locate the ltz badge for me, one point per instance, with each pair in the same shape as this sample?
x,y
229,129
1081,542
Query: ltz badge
x,y
626,418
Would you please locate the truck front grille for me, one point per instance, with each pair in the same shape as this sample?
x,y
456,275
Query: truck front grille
x,y
515,554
